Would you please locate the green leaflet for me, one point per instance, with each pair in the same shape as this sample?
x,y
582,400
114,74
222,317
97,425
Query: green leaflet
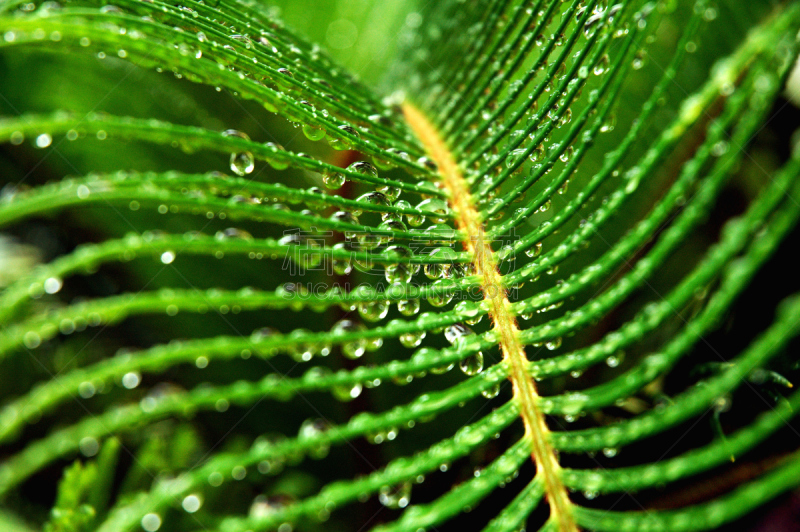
x,y
237,295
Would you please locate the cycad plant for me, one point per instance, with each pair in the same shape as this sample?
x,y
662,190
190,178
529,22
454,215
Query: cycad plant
x,y
528,275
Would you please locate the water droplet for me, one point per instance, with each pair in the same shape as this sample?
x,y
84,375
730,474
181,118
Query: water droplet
x,y
441,270
150,522
491,391
167,257
601,66
264,506
312,428
455,333
347,393
342,266
534,250
427,163
131,380
233,233
43,140
412,338
395,497
333,180
435,209
609,452
443,295
242,163
400,272
408,307
363,168
52,285
355,348
89,446
373,310
373,198
192,503
341,143
313,133
473,364
553,344
391,193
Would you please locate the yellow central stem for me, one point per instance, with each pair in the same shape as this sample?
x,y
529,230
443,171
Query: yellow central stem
x,y
505,323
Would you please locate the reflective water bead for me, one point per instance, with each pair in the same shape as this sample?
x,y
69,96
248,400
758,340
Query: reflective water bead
x,y
192,503
279,163
355,348
342,143
341,266
400,272
369,240
472,365
264,506
347,393
391,193
535,250
601,66
441,234
553,344
313,133
408,307
374,343
363,168
380,119
372,198
333,180
395,497
443,295
348,218
441,270
233,233
454,333
491,391
373,310
412,338
537,154
414,220
609,452
427,163
312,428
242,163
435,209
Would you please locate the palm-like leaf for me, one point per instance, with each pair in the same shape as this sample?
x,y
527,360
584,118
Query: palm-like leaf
x,y
452,193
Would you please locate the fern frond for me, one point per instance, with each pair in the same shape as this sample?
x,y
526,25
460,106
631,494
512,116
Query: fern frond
x,y
539,193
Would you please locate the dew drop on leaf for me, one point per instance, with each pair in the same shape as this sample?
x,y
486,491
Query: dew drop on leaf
x,y
491,391
472,365
412,338
310,429
436,209
455,333
395,497
443,295
408,307
333,180
373,310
